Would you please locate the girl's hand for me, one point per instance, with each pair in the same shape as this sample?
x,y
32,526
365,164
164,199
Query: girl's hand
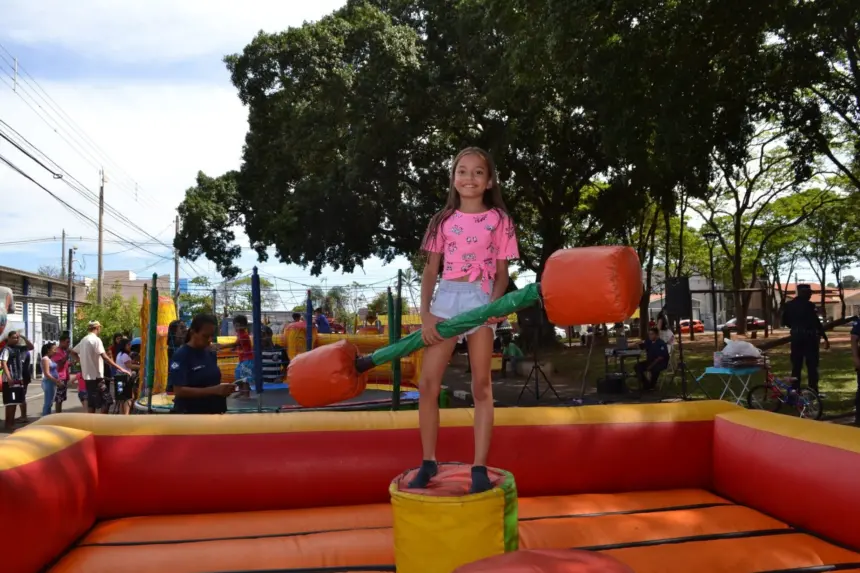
x,y
429,334
497,320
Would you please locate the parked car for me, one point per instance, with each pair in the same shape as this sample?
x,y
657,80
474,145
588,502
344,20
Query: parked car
x,y
753,323
698,326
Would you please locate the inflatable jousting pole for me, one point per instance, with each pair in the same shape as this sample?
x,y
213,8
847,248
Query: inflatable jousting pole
x,y
586,285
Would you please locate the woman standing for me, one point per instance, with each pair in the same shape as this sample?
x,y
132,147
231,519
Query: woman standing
x,y
51,382
194,373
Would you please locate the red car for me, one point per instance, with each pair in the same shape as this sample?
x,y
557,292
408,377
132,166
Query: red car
x,y
753,323
698,326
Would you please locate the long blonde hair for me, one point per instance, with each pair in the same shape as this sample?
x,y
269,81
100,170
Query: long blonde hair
x,y
492,196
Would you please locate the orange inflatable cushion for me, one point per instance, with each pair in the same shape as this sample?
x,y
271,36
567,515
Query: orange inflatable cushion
x,y
591,285
547,561
325,375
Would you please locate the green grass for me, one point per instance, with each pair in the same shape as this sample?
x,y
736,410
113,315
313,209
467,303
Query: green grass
x,y
838,378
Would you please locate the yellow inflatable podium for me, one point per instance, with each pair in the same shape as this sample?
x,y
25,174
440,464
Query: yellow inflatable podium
x,y
443,527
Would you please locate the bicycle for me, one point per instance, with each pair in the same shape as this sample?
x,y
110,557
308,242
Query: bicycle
x,y
776,392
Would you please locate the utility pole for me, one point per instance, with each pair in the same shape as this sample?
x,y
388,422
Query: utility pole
x,y
70,304
101,234
63,256
176,269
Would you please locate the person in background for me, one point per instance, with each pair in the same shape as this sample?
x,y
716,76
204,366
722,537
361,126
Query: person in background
x,y
855,354
12,376
26,347
194,373
113,351
512,355
176,332
801,316
90,352
124,383
656,360
61,358
321,322
664,326
244,372
274,359
51,382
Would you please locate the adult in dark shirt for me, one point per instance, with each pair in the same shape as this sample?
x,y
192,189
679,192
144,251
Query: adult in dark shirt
x,y
323,327
656,360
855,354
194,373
801,317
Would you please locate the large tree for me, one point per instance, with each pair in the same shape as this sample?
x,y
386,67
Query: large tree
x,y
738,209
354,119
815,81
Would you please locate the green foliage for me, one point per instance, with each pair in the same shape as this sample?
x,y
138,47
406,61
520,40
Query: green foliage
x,y
209,212
197,301
116,315
379,305
815,82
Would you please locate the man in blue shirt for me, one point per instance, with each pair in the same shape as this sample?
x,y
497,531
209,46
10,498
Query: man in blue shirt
x,y
855,354
656,360
323,327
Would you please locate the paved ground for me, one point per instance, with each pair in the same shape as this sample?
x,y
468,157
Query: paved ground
x,y
35,400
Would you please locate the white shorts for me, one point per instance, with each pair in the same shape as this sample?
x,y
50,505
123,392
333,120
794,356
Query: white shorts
x,y
453,298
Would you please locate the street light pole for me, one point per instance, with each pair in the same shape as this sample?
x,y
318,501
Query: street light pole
x,y
710,238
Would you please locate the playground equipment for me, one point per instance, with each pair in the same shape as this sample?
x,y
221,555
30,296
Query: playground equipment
x,y
380,393
702,487
579,286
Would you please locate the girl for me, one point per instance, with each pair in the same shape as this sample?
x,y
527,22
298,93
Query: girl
x,y
471,242
51,384
124,360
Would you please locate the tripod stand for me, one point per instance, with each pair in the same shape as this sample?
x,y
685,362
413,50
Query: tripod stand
x,y
536,373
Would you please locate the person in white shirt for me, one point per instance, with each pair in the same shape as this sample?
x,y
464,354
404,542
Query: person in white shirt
x,y
90,352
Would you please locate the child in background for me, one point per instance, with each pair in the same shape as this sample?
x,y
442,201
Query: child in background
x,y
245,369
274,359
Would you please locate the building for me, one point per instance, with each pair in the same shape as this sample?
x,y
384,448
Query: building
x,y
131,286
41,304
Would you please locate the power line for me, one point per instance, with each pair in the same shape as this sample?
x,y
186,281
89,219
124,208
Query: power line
x,y
21,78
73,209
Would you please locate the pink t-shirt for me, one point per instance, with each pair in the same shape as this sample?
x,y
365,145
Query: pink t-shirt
x,y
472,243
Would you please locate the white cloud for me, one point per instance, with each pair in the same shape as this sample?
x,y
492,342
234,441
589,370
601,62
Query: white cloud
x,y
152,30
160,133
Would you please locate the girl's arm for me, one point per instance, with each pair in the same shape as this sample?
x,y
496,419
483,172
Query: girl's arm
x,y
500,287
428,281
428,285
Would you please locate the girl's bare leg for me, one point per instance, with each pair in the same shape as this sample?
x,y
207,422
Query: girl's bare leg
x,y
480,358
433,366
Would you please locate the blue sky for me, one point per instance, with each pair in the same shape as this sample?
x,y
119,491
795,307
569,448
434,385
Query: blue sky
x,y
140,89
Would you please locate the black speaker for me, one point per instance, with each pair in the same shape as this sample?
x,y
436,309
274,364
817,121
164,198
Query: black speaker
x,y
679,302
532,316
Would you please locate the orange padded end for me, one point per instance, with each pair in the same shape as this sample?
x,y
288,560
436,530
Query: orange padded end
x,y
547,561
325,375
591,285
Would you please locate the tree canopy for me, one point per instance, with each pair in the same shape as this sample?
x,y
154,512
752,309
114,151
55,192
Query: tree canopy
x,y
354,119
610,122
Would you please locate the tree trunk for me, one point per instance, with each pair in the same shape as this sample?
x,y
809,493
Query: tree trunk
x,y
737,285
680,265
837,272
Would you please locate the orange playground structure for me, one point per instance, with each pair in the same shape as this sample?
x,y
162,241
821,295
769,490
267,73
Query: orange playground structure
x,y
694,487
